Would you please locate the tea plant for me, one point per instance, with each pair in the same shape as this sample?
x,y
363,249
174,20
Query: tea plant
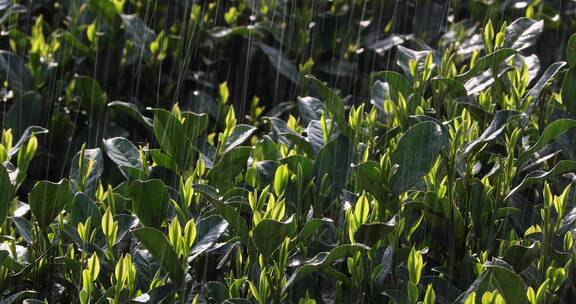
x,y
449,182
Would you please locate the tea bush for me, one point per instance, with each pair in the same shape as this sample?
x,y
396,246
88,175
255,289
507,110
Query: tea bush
x,y
192,152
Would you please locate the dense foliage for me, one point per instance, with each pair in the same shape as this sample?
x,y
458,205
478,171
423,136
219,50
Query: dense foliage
x,y
288,151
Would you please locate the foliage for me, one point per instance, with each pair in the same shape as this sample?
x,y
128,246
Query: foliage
x,y
135,171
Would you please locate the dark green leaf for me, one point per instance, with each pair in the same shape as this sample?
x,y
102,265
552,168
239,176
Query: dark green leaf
x,y
479,286
14,70
155,295
96,170
29,132
496,127
140,35
48,199
266,171
293,161
230,166
5,193
269,234
334,104
108,12
172,138
125,224
571,50
8,261
267,149
207,151
122,152
396,84
208,239
126,156
310,228
157,244
509,285
20,116
405,55
19,297
369,234
563,166
334,162
547,77
380,46
521,257
370,178
454,87
24,228
133,111
378,94
415,154
281,63
315,134
475,110
81,208
217,291
162,159
150,201
225,32
91,96
486,62
568,90
397,296
228,213
194,124
552,130
309,108
523,33
240,134
324,259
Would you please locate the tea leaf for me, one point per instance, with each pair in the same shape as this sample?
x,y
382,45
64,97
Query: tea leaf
x,y
122,152
240,134
5,194
561,167
523,33
334,104
281,63
150,201
509,284
269,234
158,245
568,93
324,259
47,200
417,151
